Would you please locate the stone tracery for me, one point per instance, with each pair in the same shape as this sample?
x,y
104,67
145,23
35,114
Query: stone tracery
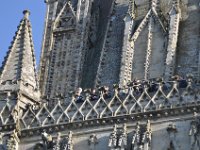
x,y
23,113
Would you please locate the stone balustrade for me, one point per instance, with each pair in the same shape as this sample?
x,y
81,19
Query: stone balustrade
x,y
137,100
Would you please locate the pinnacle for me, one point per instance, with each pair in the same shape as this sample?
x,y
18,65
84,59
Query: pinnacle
x,y
19,64
26,14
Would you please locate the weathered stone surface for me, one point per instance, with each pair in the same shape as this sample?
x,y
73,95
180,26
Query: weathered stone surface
x,y
139,45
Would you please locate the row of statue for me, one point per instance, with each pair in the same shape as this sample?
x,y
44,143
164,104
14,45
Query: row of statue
x,y
141,139
119,139
59,144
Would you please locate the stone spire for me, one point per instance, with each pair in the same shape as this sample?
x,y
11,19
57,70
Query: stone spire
x,y
18,72
19,64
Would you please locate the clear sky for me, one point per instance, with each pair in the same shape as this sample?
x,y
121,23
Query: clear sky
x,y
11,14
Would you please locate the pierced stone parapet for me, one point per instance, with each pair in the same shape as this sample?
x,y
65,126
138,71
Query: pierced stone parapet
x,y
134,101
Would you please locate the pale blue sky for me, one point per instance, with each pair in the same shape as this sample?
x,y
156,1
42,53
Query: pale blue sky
x,y
11,14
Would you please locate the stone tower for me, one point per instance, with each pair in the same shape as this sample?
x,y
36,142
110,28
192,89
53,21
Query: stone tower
x,y
146,50
18,78
18,81
122,41
64,46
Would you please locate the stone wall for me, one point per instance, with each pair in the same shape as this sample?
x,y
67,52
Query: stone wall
x,y
169,133
188,51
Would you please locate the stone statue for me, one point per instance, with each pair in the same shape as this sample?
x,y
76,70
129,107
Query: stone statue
x,y
66,143
2,142
12,141
118,139
113,139
47,140
147,137
136,144
1,138
57,144
92,141
172,130
122,142
142,137
194,134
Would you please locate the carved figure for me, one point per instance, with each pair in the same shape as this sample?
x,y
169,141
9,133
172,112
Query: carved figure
x,y
122,142
92,141
147,137
142,137
1,138
118,139
47,140
12,141
67,143
136,138
194,134
57,144
2,142
172,130
113,138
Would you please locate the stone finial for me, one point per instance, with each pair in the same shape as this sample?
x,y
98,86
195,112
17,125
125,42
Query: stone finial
x,y
26,14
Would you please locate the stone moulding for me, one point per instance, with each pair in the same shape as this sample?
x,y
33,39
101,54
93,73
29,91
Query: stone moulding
x,y
132,119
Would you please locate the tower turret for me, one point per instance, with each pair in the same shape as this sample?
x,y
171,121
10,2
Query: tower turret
x,y
18,72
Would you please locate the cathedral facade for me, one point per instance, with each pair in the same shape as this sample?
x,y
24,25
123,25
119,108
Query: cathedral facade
x,y
113,75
